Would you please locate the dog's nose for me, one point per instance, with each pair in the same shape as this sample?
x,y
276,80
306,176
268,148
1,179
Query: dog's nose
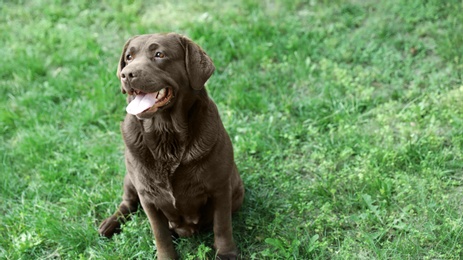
x,y
128,75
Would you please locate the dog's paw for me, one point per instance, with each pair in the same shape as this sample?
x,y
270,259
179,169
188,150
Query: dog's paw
x,y
168,256
228,256
109,227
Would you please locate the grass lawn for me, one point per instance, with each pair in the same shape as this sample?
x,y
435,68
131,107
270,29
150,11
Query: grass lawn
x,y
346,119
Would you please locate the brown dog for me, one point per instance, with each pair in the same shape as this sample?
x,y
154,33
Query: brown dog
x,y
178,156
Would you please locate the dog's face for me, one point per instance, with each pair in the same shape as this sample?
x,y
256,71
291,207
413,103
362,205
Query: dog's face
x,y
158,70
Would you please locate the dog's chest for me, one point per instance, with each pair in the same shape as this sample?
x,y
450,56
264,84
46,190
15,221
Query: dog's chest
x,y
182,192
157,162
155,158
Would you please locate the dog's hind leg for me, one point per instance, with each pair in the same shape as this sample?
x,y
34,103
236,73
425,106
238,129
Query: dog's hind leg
x,y
129,204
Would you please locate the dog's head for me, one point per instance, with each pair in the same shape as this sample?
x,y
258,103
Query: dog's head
x,y
157,69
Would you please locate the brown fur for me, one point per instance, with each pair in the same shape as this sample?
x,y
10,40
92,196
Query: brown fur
x,y
179,158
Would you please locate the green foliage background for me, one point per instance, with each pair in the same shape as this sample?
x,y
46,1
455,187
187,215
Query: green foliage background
x,y
346,119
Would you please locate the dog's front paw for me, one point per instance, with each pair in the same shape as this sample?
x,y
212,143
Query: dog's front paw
x,y
109,227
168,256
227,256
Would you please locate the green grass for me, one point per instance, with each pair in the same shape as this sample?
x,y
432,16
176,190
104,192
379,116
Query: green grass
x,y
346,119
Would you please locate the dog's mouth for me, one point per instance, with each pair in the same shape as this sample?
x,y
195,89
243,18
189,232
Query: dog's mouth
x,y
149,102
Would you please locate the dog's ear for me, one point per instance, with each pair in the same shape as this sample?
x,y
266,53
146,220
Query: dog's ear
x,y
121,63
198,65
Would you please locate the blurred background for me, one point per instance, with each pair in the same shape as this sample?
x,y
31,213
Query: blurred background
x,y
345,115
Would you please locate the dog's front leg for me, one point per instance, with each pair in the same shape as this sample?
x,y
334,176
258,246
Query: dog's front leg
x,y
223,237
129,204
160,228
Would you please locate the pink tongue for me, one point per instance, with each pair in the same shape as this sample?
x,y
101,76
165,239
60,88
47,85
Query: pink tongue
x,y
141,103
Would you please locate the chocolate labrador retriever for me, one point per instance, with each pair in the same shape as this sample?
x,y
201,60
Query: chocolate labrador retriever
x,y
178,156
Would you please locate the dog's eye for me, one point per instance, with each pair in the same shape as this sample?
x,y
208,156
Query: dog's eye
x,y
159,55
128,57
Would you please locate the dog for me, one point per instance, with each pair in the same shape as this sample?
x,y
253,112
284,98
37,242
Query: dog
x,y
178,155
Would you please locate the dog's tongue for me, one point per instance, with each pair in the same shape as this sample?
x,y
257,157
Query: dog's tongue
x,y
141,103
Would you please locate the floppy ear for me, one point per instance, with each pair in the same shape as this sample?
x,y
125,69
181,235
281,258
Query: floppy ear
x,y
121,63
198,65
